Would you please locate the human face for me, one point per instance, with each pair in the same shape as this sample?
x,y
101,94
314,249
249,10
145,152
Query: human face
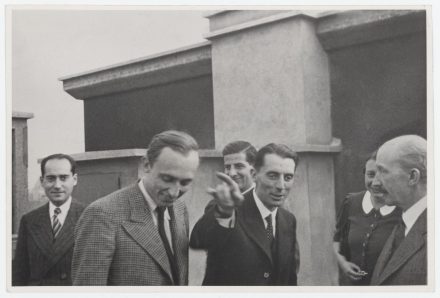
x,y
239,170
274,180
370,173
391,181
170,176
58,180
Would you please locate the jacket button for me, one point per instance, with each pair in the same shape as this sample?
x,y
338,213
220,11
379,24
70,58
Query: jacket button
x,y
266,274
63,275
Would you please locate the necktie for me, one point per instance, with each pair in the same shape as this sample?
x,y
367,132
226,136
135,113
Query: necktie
x,y
269,229
56,225
166,244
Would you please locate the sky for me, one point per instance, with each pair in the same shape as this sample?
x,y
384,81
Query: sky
x,y
49,44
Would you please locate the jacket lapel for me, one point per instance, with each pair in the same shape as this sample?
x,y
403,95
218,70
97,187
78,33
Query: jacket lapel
x,y
409,246
383,258
41,231
284,238
65,239
253,225
180,240
142,229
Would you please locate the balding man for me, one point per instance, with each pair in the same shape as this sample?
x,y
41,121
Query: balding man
x,y
401,177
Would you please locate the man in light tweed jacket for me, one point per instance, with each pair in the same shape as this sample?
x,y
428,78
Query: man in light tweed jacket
x,y
138,235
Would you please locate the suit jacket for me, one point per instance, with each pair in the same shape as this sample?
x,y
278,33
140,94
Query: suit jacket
x,y
117,243
39,261
407,265
241,255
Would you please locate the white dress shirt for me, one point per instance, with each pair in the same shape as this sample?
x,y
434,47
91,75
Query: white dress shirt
x,y
152,206
64,210
264,212
411,215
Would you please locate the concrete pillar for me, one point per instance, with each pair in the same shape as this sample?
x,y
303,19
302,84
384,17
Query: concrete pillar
x,y
19,166
19,143
271,84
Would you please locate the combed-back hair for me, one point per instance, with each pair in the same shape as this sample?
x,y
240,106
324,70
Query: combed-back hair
x,y
278,149
58,156
241,147
176,140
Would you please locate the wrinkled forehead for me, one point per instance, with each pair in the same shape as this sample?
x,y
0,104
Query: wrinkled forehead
x,y
234,158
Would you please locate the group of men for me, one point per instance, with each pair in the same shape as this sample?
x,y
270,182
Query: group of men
x,y
139,235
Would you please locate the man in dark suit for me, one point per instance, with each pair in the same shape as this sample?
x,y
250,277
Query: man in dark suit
x,y
138,235
402,177
238,162
45,240
251,238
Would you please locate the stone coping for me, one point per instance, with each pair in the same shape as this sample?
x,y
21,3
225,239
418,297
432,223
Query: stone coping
x,y
282,15
166,67
24,115
334,147
362,26
126,153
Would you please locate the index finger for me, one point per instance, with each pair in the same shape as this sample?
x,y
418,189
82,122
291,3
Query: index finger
x,y
225,178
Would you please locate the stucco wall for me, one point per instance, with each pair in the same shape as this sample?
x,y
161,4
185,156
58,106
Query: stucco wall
x,y
378,92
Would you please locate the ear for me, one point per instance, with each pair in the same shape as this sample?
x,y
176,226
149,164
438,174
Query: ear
x,y
253,173
75,179
414,177
146,164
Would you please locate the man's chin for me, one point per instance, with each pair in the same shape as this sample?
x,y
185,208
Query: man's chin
x,y
58,201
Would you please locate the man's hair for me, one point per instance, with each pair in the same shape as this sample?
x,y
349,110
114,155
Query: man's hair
x,y
241,147
372,156
279,149
413,155
176,140
58,156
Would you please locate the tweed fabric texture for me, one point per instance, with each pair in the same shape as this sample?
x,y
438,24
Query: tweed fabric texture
x,y
117,243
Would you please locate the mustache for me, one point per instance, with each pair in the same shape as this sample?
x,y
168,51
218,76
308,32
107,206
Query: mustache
x,y
378,189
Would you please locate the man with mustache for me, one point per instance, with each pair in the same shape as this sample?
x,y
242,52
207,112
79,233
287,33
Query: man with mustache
x,y
251,238
402,179
138,236
45,240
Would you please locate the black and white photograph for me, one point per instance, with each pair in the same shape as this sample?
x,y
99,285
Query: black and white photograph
x,y
219,148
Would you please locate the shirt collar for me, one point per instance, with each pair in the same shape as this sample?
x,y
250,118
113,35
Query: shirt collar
x,y
264,212
412,214
367,205
150,202
249,189
64,208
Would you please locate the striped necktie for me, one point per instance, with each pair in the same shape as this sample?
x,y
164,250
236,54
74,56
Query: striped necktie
x,y
56,225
